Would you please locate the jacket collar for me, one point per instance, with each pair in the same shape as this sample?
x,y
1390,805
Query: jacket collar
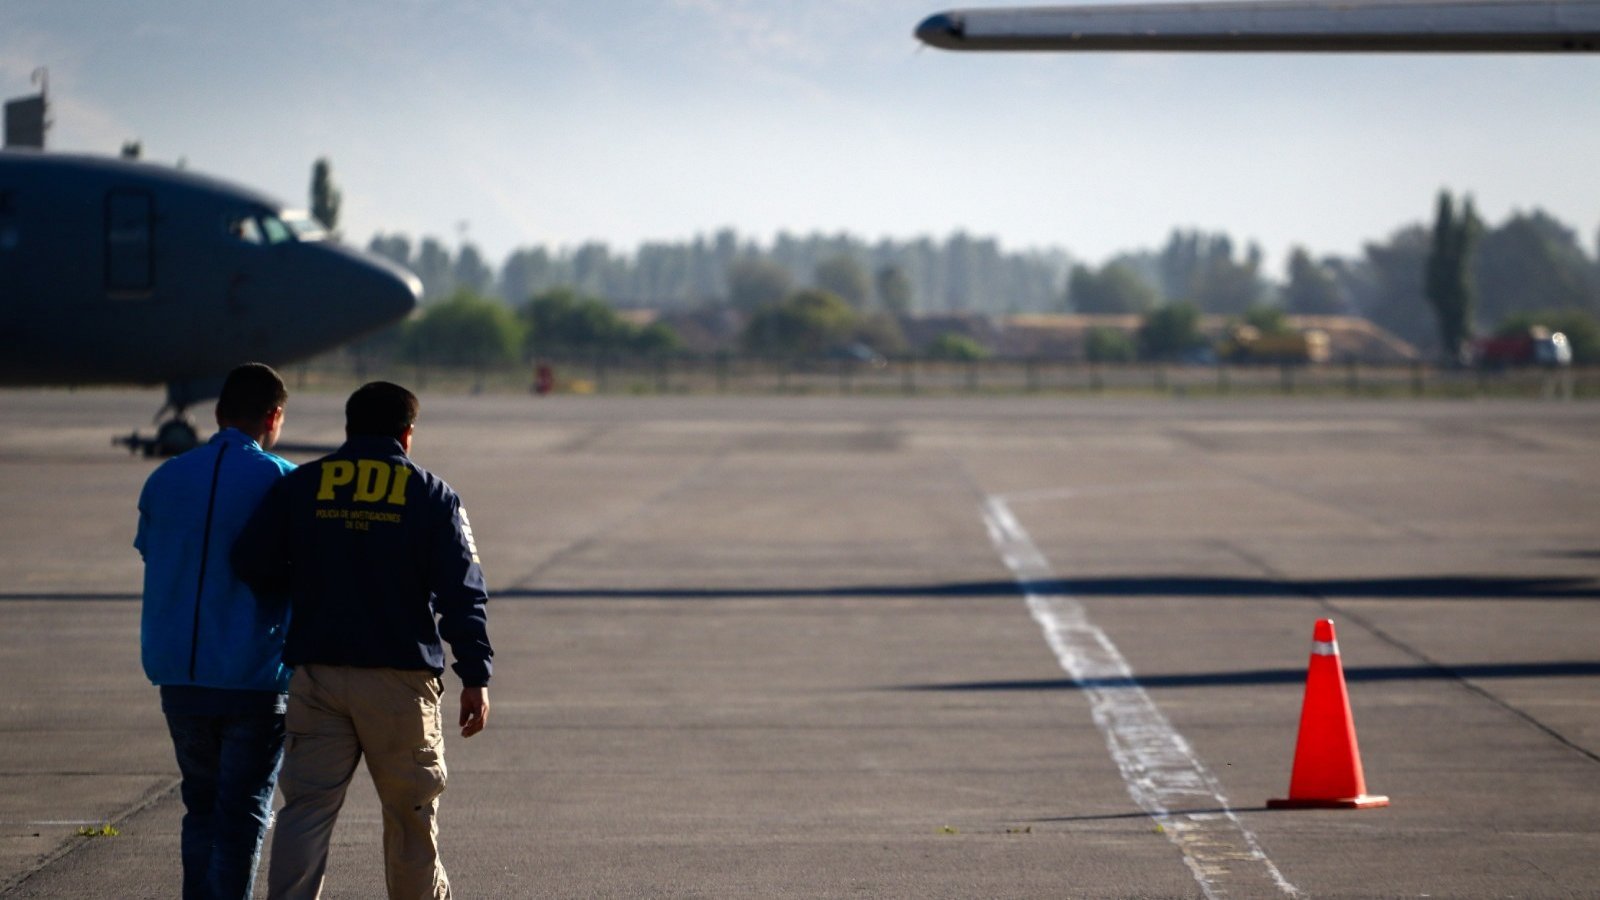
x,y
233,436
370,446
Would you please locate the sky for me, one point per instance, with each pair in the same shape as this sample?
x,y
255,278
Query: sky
x,y
511,123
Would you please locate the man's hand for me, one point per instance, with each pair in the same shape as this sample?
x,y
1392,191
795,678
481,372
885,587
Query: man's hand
x,y
474,710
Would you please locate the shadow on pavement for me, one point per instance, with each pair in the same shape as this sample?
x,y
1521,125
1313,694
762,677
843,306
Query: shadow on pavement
x,y
1279,676
1467,587
1445,587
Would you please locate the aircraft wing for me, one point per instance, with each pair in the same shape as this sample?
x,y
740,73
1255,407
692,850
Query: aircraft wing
x,y
1332,26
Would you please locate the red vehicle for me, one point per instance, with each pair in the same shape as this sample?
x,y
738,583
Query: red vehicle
x,y
1538,346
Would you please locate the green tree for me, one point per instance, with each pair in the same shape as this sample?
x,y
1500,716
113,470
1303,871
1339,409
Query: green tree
x,y
1109,345
843,276
525,272
396,248
754,282
881,332
956,347
432,266
1201,268
466,330
656,339
1266,319
1116,288
325,196
1312,289
1533,263
470,272
1171,331
805,324
565,321
1228,286
894,290
1448,285
1385,285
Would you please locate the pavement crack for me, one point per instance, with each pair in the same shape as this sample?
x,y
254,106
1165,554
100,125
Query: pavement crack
x,y
155,795
1377,631
605,527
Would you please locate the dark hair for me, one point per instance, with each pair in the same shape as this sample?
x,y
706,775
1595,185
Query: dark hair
x,y
380,409
250,392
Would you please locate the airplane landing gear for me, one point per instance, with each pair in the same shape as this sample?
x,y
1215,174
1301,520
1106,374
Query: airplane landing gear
x,y
177,433
174,436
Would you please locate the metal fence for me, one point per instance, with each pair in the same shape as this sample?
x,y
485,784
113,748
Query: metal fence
x,y
750,375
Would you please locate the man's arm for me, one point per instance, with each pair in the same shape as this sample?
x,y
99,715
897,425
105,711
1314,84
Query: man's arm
x,y
460,597
144,516
260,556
474,710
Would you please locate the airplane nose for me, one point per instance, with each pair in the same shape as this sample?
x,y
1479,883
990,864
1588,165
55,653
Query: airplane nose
x,y
405,296
387,292
943,30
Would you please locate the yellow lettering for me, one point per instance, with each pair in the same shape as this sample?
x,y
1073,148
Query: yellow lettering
x,y
397,496
372,481
335,473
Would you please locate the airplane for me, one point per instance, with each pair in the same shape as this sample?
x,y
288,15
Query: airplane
x,y
1296,26
114,271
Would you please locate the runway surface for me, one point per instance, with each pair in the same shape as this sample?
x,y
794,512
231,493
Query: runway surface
x,y
838,647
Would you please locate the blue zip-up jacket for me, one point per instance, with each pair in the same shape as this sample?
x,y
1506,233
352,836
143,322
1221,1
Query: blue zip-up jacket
x,y
200,625
379,561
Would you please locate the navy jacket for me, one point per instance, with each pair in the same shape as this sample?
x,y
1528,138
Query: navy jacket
x,y
379,561
199,625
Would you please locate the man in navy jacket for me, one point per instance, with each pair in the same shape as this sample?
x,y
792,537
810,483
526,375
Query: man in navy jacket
x,y
381,568
213,646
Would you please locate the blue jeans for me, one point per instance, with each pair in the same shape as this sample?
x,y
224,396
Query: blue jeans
x,y
230,768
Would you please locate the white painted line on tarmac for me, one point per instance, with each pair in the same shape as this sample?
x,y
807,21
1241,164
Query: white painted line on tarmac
x,y
1159,767
54,822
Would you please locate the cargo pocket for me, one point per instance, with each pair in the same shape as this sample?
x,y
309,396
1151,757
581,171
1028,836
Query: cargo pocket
x,y
429,758
430,774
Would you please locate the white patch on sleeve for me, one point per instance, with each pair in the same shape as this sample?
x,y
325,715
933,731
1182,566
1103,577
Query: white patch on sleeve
x,y
466,530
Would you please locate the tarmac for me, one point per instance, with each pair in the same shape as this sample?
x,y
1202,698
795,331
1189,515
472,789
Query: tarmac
x,y
988,647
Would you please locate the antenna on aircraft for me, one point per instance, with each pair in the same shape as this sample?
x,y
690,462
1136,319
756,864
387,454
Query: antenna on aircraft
x,y
27,117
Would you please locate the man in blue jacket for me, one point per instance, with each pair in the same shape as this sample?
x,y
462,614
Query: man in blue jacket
x,y
381,568
214,647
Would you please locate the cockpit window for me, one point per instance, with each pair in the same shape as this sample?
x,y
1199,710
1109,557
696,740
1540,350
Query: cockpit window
x,y
245,229
267,228
305,228
275,230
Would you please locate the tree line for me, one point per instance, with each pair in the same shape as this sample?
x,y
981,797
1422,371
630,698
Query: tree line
x,y
1433,287
958,273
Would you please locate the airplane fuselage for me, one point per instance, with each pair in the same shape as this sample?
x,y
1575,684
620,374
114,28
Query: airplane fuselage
x,y
114,271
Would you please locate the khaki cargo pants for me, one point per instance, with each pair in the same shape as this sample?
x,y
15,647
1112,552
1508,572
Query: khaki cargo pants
x,y
336,715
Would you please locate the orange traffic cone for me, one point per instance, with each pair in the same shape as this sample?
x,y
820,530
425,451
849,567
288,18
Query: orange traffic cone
x,y
1327,762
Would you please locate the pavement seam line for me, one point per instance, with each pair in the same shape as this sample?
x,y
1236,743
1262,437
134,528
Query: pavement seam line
x,y
593,536
1158,766
1376,631
65,848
